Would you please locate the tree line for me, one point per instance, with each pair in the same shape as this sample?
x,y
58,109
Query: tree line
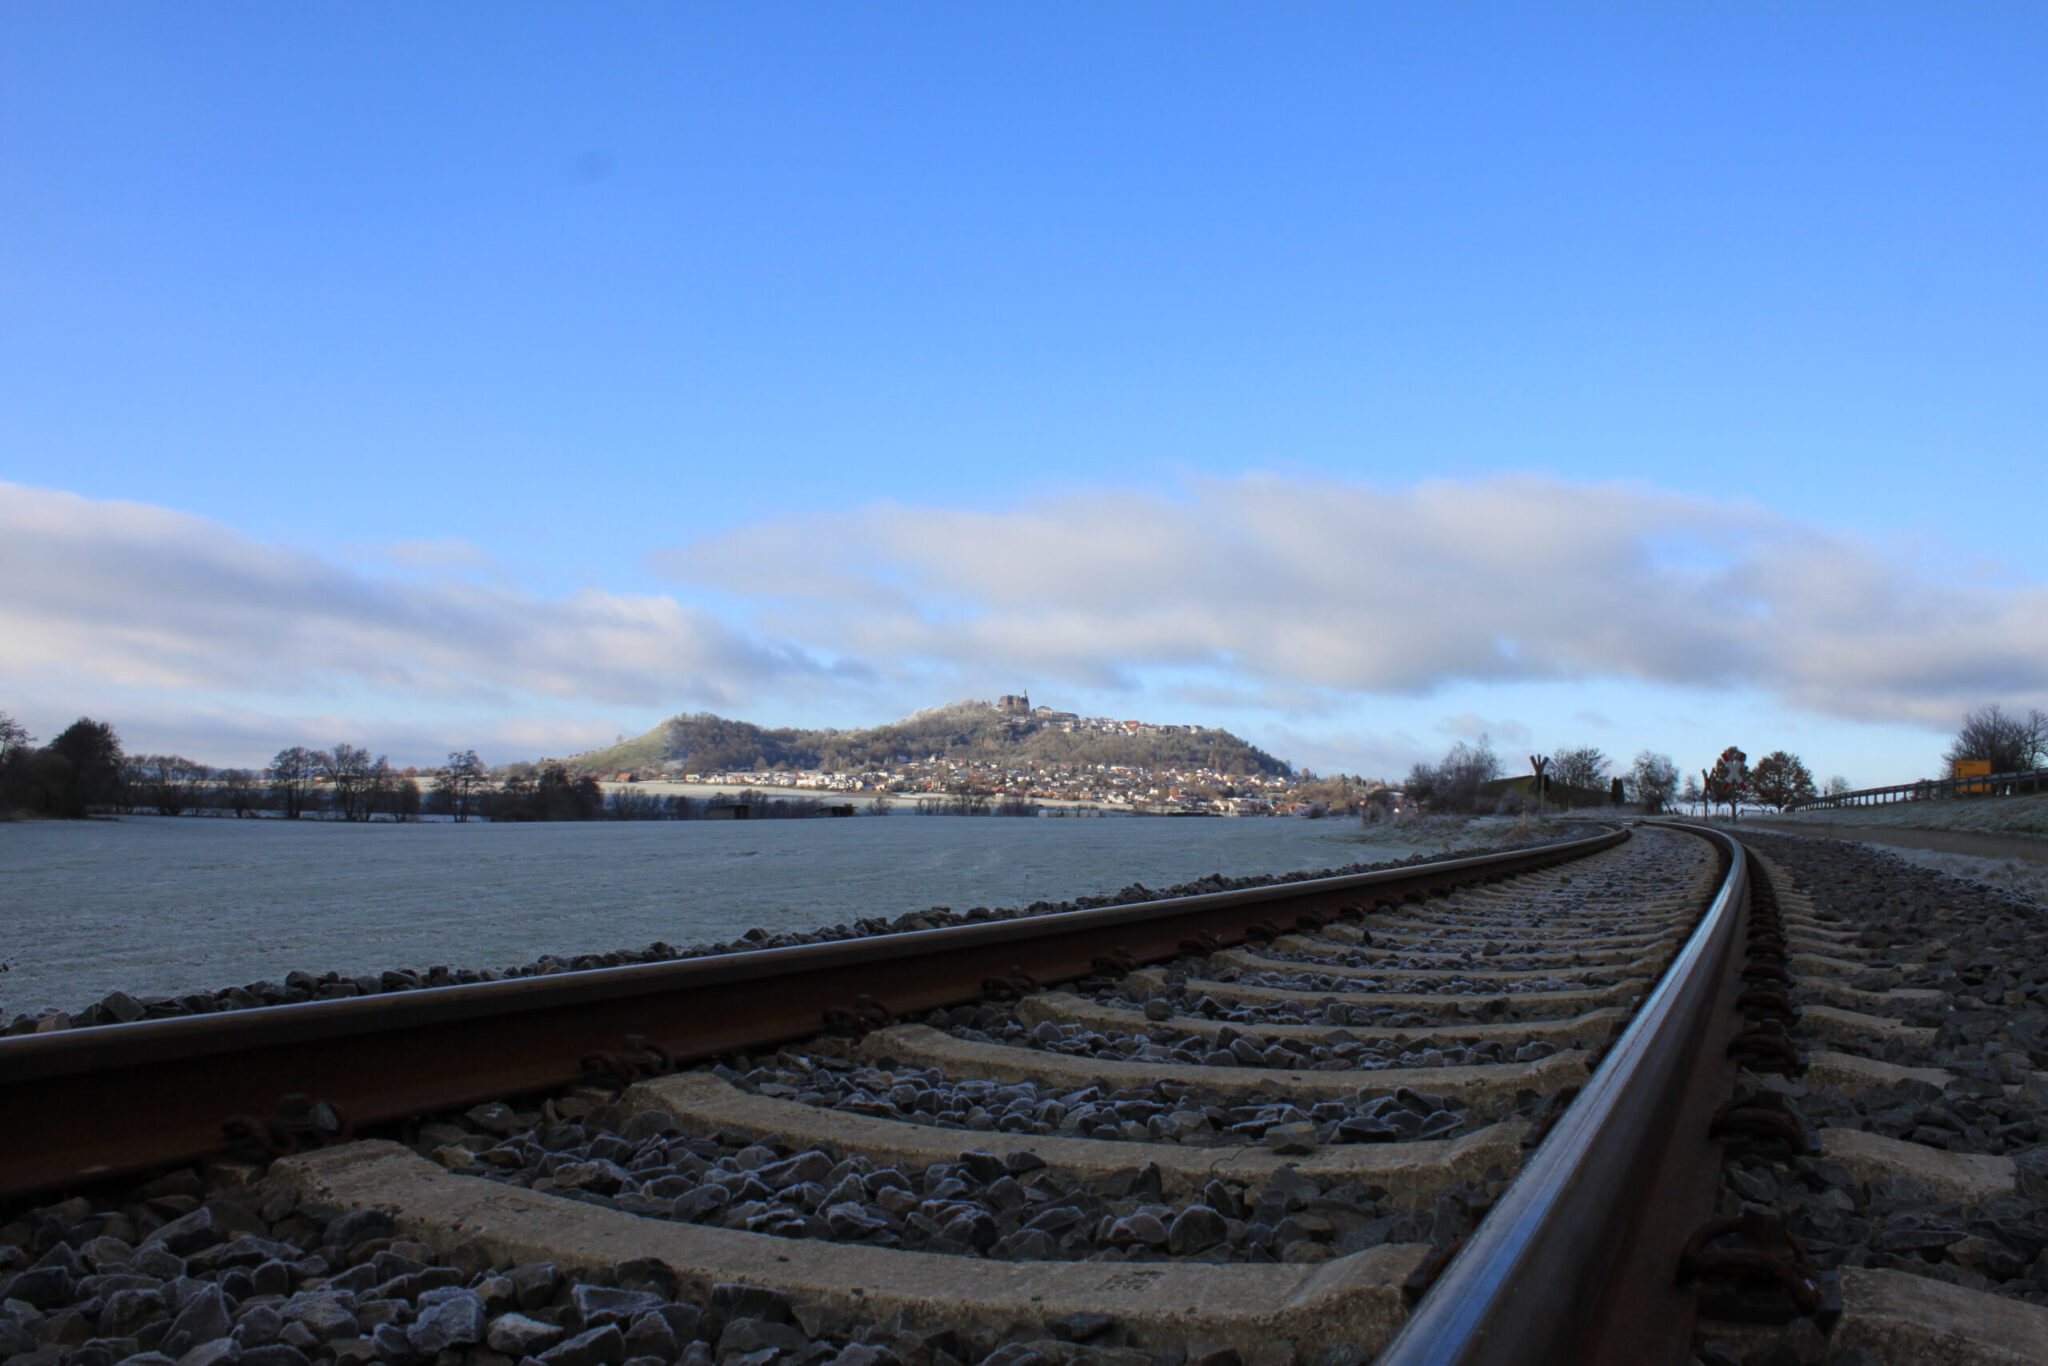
x,y
84,771
1468,781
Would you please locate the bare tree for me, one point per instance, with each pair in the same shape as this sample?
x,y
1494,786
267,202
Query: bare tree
x,y
380,789
624,804
353,777
13,736
237,791
1583,767
292,772
1652,780
1420,785
1454,783
166,783
458,783
1690,794
2010,743
1836,786
404,799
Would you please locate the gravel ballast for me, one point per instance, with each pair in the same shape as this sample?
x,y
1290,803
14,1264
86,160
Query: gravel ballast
x,y
1970,964
210,1266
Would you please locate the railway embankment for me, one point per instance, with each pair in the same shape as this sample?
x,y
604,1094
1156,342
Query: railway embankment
x,y
1274,1145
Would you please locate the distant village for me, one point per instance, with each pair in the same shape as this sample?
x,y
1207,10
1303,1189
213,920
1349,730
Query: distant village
x,y
933,781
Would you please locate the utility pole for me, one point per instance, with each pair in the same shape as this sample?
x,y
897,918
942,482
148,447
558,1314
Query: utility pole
x,y
1537,762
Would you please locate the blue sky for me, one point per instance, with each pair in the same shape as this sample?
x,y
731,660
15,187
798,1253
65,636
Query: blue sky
x,y
1356,376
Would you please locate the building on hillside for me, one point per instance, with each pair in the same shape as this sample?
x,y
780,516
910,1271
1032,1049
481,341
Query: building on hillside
x,y
1014,704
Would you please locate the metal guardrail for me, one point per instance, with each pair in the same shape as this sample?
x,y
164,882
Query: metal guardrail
x,y
1933,789
1577,1263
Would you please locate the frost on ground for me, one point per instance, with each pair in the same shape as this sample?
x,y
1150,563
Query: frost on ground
x,y
2028,879
2022,816
1453,833
154,905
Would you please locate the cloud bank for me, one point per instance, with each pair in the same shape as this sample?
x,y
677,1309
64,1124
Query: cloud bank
x,y
1279,585
141,597
1278,597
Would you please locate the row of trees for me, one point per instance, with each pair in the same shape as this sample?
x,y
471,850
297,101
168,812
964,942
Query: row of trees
x,y
1467,780
2007,741
357,787
84,771
1779,780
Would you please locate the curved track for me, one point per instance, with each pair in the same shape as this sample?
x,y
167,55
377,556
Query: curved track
x,y
1330,1117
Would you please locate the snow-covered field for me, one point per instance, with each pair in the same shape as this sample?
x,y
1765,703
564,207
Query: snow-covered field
x,y
157,905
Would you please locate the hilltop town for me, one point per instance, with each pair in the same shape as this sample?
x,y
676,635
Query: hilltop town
x,y
977,753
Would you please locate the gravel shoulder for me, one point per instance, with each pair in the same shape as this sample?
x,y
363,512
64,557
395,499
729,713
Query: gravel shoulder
x,y
1920,1002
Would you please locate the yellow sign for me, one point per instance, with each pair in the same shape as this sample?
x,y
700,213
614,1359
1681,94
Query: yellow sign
x,y
1972,768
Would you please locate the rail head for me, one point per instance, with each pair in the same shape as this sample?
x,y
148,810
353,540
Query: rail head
x,y
1518,1292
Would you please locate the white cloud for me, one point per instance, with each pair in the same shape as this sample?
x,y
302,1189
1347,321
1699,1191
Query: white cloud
x,y
1368,753
127,596
1467,726
243,737
1272,601
1266,582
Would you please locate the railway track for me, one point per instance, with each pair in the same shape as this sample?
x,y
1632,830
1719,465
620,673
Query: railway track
x,y
1456,1113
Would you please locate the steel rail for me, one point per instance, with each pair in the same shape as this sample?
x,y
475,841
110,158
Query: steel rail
x,y
1577,1262
84,1104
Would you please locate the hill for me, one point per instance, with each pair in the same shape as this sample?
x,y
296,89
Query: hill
x,y
641,754
704,743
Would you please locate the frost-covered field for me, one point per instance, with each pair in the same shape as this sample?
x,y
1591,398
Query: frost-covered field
x,y
155,905
2029,879
2009,817
2025,816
